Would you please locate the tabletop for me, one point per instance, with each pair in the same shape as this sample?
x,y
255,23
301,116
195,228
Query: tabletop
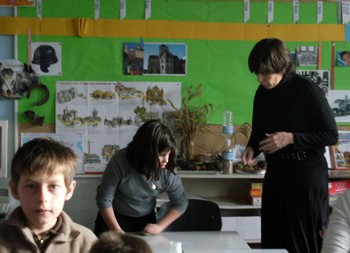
x,y
204,241
201,240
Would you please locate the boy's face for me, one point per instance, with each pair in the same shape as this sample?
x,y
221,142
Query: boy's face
x,y
42,198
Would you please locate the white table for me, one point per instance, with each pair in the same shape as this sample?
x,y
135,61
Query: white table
x,y
206,241
201,241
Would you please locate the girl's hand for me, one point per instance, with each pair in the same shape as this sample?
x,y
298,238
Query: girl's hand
x,y
153,229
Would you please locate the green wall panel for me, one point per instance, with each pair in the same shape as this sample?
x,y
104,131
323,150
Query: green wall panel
x,y
221,66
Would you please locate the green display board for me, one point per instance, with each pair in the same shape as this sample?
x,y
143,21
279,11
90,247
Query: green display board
x,y
219,65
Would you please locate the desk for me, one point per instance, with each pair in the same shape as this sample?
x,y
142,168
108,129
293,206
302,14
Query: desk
x,y
199,241
206,241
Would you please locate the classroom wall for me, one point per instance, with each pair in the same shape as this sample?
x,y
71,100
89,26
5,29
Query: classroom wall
x,y
218,44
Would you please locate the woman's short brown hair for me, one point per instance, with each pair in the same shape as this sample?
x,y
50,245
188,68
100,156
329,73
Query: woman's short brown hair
x,y
270,56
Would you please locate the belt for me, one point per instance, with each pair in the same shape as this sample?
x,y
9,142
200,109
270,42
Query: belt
x,y
298,155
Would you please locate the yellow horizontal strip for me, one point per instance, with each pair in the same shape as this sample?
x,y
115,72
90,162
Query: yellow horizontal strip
x,y
170,29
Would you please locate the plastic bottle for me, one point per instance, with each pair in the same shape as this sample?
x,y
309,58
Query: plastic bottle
x,y
227,127
227,154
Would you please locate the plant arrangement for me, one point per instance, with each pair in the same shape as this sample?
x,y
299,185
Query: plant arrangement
x,y
189,119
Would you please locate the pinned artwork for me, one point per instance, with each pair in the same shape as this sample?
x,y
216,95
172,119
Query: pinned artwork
x,y
307,55
108,114
339,100
16,79
154,58
343,58
46,58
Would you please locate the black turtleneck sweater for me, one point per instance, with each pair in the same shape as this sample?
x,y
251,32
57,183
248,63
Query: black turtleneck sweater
x,y
295,105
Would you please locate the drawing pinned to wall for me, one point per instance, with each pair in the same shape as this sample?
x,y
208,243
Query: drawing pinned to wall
x,y
47,58
154,59
343,58
320,77
339,100
307,55
107,114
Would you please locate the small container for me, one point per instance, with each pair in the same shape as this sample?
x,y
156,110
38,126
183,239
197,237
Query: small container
x,y
227,166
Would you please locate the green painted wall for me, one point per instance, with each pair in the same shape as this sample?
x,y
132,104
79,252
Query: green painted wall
x,y
221,66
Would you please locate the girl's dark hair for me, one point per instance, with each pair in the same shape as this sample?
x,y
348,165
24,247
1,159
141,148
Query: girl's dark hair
x,y
270,56
150,140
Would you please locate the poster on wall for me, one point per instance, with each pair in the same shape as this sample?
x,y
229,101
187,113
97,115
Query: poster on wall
x,y
343,58
320,77
339,101
307,55
341,151
154,58
46,58
73,141
108,114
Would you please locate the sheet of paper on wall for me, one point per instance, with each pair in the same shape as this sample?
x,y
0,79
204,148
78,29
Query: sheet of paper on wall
x,y
108,114
71,140
339,101
307,55
341,151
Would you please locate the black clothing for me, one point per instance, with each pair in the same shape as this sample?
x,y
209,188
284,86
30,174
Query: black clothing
x,y
295,191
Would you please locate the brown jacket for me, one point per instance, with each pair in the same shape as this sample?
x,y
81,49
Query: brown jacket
x,y
15,237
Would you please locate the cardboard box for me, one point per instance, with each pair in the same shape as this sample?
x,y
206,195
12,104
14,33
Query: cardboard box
x,y
255,200
256,185
255,192
247,226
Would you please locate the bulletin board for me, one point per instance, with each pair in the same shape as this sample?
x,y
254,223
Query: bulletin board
x,y
218,44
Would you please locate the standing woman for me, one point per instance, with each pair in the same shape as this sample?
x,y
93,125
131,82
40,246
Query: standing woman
x,y
134,177
292,124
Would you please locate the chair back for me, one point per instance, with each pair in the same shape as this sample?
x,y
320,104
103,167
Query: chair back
x,y
200,215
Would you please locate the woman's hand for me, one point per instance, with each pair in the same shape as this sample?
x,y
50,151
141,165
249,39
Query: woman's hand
x,y
248,157
275,141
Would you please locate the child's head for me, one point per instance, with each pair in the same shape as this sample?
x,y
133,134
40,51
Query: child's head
x,y
42,174
345,56
150,142
113,242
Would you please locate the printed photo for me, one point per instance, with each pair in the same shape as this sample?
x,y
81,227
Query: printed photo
x,y
343,58
46,58
307,55
339,100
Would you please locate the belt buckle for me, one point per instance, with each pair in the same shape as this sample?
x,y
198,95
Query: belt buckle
x,y
301,155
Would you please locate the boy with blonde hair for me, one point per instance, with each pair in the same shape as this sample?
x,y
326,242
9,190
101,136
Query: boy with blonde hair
x,y
42,179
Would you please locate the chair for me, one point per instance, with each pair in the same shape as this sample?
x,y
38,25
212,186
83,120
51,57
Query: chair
x,y
200,215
